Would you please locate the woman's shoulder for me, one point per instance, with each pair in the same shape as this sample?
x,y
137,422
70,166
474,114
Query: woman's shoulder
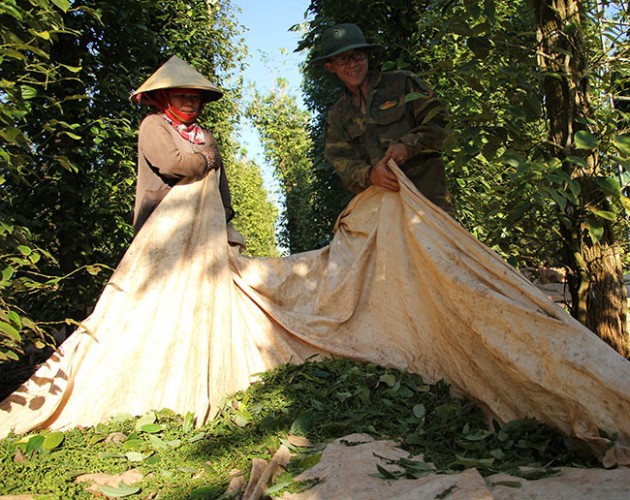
x,y
151,119
152,124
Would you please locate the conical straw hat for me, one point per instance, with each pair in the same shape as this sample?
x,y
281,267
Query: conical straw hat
x,y
176,73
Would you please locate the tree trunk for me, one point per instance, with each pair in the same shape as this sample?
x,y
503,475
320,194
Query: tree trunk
x,y
595,274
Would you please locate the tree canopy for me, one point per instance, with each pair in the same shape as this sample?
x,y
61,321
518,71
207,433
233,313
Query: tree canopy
x,y
283,128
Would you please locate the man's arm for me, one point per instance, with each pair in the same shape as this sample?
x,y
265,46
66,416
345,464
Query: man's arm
x,y
353,171
430,118
159,148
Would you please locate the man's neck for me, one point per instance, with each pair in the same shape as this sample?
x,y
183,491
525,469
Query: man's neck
x,y
359,95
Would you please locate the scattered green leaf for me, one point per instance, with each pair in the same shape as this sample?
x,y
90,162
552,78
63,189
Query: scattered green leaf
x,y
120,491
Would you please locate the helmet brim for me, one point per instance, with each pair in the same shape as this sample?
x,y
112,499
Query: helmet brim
x,y
341,50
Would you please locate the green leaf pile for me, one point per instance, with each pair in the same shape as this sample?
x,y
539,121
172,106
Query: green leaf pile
x,y
319,400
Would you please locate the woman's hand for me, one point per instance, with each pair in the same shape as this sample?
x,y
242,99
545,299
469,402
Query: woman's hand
x,y
213,160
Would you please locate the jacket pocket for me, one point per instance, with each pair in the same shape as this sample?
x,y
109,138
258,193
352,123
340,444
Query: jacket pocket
x,y
384,117
354,131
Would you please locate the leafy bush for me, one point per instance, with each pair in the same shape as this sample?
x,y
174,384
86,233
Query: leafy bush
x,y
19,277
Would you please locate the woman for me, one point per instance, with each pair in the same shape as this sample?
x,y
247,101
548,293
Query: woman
x,y
172,146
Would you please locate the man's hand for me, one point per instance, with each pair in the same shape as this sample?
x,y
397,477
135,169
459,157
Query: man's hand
x,y
382,176
398,152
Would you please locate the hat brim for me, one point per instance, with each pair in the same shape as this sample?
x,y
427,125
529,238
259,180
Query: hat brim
x,y
206,95
176,73
341,50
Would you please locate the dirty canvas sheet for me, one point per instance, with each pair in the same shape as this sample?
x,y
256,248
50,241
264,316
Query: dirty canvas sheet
x,y
186,319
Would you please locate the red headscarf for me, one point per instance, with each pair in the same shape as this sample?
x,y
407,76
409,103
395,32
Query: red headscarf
x,y
185,123
160,99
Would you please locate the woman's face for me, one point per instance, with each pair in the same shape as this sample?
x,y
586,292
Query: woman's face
x,y
186,100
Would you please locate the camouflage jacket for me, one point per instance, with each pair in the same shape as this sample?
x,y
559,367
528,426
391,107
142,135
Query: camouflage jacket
x,y
400,108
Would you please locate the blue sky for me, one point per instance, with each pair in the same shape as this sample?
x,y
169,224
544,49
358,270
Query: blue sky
x,y
267,34
270,45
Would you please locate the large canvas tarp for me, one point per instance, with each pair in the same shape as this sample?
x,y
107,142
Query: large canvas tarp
x,y
186,319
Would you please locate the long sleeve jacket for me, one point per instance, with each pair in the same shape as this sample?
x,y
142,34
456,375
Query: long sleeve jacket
x,y
400,107
164,159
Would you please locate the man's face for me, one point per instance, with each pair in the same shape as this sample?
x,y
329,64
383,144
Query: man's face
x,y
351,67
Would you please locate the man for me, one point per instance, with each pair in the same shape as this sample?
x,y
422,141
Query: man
x,y
382,116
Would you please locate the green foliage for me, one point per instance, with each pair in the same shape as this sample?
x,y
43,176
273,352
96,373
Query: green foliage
x,y
321,401
255,214
484,70
27,36
19,278
331,398
283,129
21,285
28,31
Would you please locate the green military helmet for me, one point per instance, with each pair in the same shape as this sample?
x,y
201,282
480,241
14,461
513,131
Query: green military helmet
x,y
340,38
